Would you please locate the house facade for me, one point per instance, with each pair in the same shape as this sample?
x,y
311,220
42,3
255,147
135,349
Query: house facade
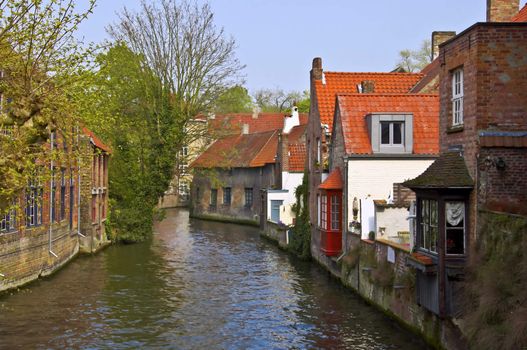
x,y
378,141
51,220
483,134
94,193
230,176
201,132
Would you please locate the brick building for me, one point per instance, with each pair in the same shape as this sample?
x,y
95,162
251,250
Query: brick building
x,y
42,230
230,175
325,86
483,161
201,132
94,193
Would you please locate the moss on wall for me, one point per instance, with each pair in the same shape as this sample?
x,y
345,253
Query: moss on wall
x,y
496,284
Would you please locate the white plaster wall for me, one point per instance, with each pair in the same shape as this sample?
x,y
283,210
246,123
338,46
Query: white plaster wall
x,y
290,181
393,219
375,177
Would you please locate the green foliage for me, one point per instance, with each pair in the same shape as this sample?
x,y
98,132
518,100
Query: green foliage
x,y
414,61
40,57
300,240
234,100
496,297
129,108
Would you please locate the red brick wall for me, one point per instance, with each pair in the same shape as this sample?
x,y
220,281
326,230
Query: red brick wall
x,y
503,190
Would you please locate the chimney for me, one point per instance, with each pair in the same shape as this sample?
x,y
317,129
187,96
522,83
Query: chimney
x,y
245,129
368,86
316,69
502,10
256,111
437,39
292,120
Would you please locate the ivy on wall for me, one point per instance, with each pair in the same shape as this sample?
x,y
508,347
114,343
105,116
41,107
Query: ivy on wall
x,y
300,239
496,293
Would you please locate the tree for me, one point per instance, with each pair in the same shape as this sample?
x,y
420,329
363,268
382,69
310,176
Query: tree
x,y
182,46
168,64
277,100
234,100
39,55
413,61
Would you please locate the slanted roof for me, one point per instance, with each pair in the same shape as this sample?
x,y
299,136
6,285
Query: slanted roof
x,y
232,123
333,181
430,81
335,83
240,151
521,16
297,157
354,109
448,171
95,140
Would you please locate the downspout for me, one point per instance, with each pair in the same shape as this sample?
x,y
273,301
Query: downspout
x,y
79,186
51,205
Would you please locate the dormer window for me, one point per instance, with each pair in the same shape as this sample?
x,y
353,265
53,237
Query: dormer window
x,y
391,133
457,97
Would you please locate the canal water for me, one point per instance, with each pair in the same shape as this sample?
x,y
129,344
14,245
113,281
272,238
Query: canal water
x,y
196,285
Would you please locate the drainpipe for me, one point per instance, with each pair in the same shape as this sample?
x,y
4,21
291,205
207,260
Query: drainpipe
x,y
345,211
79,186
51,205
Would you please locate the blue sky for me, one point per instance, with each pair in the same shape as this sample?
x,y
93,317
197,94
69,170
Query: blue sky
x,y
277,39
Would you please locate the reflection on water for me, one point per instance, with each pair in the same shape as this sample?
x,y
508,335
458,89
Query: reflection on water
x,y
196,285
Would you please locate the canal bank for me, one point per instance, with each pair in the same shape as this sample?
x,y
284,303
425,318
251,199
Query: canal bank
x,y
196,284
377,271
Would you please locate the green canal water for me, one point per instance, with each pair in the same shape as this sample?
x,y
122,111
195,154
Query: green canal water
x,y
196,285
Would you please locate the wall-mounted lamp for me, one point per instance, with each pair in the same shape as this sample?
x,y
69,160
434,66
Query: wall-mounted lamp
x,y
497,162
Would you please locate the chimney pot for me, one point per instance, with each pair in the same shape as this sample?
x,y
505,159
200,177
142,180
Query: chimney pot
x,y
316,69
245,129
368,86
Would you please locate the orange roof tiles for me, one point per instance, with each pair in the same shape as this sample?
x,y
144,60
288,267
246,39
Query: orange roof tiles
x,y
240,151
233,122
355,107
297,157
95,140
333,181
521,16
338,82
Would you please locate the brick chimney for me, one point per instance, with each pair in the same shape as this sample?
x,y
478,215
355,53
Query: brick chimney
x,y
368,87
502,10
437,39
316,69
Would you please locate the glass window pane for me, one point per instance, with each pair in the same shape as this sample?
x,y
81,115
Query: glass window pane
x,y
385,133
397,133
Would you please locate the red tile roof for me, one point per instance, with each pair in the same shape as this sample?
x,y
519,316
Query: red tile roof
x,y
297,157
240,151
233,122
333,181
521,16
337,82
355,107
297,132
95,140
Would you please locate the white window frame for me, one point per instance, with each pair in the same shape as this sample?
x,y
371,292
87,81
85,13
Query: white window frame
x,y
457,96
391,133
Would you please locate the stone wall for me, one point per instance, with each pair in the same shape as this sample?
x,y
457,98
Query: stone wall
x,y
276,233
378,272
237,179
25,256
